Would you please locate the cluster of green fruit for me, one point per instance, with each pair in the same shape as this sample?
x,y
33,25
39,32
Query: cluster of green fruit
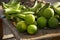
x,y
30,19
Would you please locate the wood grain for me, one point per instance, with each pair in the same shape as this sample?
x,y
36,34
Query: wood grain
x,y
8,36
1,26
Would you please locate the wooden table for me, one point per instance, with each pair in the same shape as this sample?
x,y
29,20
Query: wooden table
x,y
4,30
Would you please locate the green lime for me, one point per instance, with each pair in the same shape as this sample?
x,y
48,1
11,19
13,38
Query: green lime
x,y
30,19
53,22
21,26
41,22
32,29
48,12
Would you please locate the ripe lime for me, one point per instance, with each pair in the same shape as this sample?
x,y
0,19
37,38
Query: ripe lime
x,y
21,26
53,22
30,19
41,22
32,29
48,12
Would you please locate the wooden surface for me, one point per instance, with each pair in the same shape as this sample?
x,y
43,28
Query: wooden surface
x,y
1,29
1,26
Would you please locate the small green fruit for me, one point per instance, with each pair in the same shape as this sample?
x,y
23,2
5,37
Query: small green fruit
x,y
53,22
30,19
21,26
32,29
42,22
48,12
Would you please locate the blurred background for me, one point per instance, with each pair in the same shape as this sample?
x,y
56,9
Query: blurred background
x,y
30,2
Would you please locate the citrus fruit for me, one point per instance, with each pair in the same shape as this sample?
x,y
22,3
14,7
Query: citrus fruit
x,y
48,12
32,29
30,19
41,22
53,22
21,26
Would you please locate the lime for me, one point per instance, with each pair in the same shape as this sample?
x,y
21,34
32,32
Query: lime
x,y
53,22
48,12
21,26
32,29
30,19
41,22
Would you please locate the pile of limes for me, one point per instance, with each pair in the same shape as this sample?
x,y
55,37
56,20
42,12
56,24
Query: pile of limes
x,y
30,19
